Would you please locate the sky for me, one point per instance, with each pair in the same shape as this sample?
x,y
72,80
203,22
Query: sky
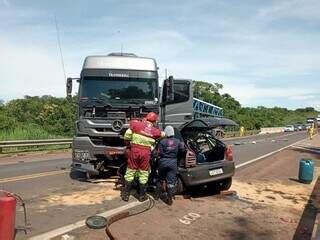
x,y
265,53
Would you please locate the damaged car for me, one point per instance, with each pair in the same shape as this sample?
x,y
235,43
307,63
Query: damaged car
x,y
206,161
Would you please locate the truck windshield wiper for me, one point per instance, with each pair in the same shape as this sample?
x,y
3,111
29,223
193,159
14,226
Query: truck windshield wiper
x,y
99,100
133,102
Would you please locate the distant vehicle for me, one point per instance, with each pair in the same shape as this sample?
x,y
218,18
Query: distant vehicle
x,y
289,128
304,127
207,161
298,127
308,125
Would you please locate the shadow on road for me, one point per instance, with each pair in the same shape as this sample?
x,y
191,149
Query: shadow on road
x,y
313,150
308,218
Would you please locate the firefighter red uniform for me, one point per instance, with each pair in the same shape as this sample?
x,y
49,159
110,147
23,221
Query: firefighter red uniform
x,y
142,136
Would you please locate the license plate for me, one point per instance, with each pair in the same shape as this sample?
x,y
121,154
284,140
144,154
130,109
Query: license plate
x,y
214,172
113,152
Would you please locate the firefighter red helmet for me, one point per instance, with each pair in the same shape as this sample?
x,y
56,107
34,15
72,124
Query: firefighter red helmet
x,y
152,117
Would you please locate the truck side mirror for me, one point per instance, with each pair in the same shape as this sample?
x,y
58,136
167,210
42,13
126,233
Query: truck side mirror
x,y
69,87
169,90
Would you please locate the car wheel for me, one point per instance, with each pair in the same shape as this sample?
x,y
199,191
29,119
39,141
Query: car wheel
x,y
225,184
179,186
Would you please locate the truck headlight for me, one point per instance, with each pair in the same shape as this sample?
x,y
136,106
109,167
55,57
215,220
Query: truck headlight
x,y
81,155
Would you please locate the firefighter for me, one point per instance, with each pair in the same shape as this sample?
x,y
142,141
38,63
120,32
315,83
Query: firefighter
x,y
241,131
142,136
168,150
311,131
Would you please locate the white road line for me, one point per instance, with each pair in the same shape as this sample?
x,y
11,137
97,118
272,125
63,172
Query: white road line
x,y
32,176
267,155
82,223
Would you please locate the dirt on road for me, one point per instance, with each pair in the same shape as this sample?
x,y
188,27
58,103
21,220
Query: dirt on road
x,y
269,203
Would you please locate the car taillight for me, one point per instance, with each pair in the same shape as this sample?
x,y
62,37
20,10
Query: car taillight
x,y
191,159
228,153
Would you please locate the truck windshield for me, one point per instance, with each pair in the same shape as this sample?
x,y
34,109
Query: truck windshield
x,y
117,89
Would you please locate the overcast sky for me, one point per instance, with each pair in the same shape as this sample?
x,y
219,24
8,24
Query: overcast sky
x,y
263,52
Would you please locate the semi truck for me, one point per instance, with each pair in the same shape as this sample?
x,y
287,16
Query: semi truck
x,y
119,87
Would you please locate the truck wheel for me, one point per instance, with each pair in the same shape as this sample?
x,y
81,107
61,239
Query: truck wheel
x,y
225,184
89,176
179,186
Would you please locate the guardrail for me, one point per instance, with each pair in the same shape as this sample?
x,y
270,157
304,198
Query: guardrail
x,y
34,143
237,133
68,141
272,130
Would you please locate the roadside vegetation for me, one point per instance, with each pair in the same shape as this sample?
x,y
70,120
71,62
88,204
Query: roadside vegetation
x,y
37,118
250,118
50,117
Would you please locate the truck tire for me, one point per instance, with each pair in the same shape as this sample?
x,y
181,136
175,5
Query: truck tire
x,y
225,184
179,186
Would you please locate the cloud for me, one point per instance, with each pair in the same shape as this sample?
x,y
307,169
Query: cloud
x,y
291,96
292,9
6,3
262,52
29,70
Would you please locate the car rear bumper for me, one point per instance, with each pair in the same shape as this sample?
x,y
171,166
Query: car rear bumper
x,y
199,175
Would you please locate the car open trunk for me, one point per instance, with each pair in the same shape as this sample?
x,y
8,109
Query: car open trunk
x,y
198,139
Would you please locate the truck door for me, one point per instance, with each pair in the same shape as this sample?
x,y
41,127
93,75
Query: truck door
x,y
179,109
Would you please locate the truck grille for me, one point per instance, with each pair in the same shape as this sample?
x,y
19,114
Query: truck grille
x,y
116,115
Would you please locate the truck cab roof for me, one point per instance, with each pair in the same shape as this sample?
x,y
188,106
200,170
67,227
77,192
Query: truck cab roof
x,y
123,61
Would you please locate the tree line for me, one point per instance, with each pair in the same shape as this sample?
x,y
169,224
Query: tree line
x,y
50,117
249,117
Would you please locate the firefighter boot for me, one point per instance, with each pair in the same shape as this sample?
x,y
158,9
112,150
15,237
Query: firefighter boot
x,y
170,195
142,192
157,192
125,193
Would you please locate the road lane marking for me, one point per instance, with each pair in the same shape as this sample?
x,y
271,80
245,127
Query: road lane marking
x,y
267,155
32,176
282,134
21,161
267,138
190,217
82,223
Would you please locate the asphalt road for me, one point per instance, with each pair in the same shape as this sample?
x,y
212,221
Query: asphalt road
x,y
37,180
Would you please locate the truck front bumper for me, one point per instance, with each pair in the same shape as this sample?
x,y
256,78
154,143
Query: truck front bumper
x,y
85,154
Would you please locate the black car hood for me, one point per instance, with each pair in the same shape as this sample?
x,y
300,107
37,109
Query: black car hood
x,y
194,125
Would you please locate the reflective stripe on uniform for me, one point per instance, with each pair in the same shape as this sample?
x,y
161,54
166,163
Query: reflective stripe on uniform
x,y
128,135
143,176
142,140
130,174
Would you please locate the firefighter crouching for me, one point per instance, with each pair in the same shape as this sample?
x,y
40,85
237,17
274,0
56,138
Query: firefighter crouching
x,y
142,136
168,150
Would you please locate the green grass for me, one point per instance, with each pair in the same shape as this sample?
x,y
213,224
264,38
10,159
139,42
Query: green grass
x,y
27,132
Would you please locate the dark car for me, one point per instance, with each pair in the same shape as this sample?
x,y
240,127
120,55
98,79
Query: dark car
x,y
206,161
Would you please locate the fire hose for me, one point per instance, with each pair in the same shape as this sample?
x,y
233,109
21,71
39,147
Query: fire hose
x,y
98,222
